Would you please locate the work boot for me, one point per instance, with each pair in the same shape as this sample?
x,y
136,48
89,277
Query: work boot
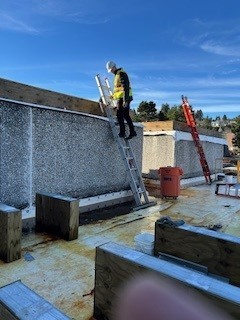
x,y
131,135
121,135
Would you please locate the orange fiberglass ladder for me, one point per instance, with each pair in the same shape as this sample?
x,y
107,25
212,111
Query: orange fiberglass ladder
x,y
189,115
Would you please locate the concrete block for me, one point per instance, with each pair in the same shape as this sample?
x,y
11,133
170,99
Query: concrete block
x,y
18,302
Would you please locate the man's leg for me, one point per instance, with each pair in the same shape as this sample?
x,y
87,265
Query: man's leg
x,y
127,117
120,117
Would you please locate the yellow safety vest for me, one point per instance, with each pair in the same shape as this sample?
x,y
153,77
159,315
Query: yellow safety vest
x,y
118,91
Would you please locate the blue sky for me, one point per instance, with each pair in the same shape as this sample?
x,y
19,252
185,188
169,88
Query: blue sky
x,y
168,48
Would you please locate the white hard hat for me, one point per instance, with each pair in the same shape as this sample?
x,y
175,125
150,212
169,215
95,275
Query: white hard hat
x,y
110,65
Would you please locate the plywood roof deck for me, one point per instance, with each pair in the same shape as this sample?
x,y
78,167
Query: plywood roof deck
x,y
63,272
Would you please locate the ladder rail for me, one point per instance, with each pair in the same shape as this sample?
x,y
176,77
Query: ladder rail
x,y
191,122
132,156
124,146
104,101
141,186
114,103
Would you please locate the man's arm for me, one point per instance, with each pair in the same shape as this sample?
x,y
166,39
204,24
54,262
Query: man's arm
x,y
126,85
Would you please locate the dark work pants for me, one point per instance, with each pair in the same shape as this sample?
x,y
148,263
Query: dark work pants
x,y
123,114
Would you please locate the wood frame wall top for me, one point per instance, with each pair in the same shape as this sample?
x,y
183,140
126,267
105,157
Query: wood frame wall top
x,y
25,93
171,125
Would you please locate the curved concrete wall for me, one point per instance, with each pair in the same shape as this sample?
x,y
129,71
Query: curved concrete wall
x,y
58,151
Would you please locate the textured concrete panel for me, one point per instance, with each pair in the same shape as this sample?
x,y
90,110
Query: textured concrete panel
x,y
14,155
187,157
76,155
165,150
158,151
58,151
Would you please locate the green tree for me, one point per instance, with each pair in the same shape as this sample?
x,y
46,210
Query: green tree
x,y
199,115
161,116
176,113
165,108
134,116
147,111
236,131
207,123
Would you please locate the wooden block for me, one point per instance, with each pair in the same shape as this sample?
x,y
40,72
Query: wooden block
x,y
115,264
158,125
18,302
58,215
10,233
217,251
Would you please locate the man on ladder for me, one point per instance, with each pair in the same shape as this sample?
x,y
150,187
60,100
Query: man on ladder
x,y
124,145
122,93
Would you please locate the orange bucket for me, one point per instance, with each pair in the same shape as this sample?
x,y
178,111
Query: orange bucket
x,y
170,181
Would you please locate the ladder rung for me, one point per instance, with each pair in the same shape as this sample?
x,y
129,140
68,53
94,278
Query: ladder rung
x,y
133,169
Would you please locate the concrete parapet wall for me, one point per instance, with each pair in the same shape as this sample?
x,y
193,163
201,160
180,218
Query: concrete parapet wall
x,y
46,150
187,158
174,148
158,151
